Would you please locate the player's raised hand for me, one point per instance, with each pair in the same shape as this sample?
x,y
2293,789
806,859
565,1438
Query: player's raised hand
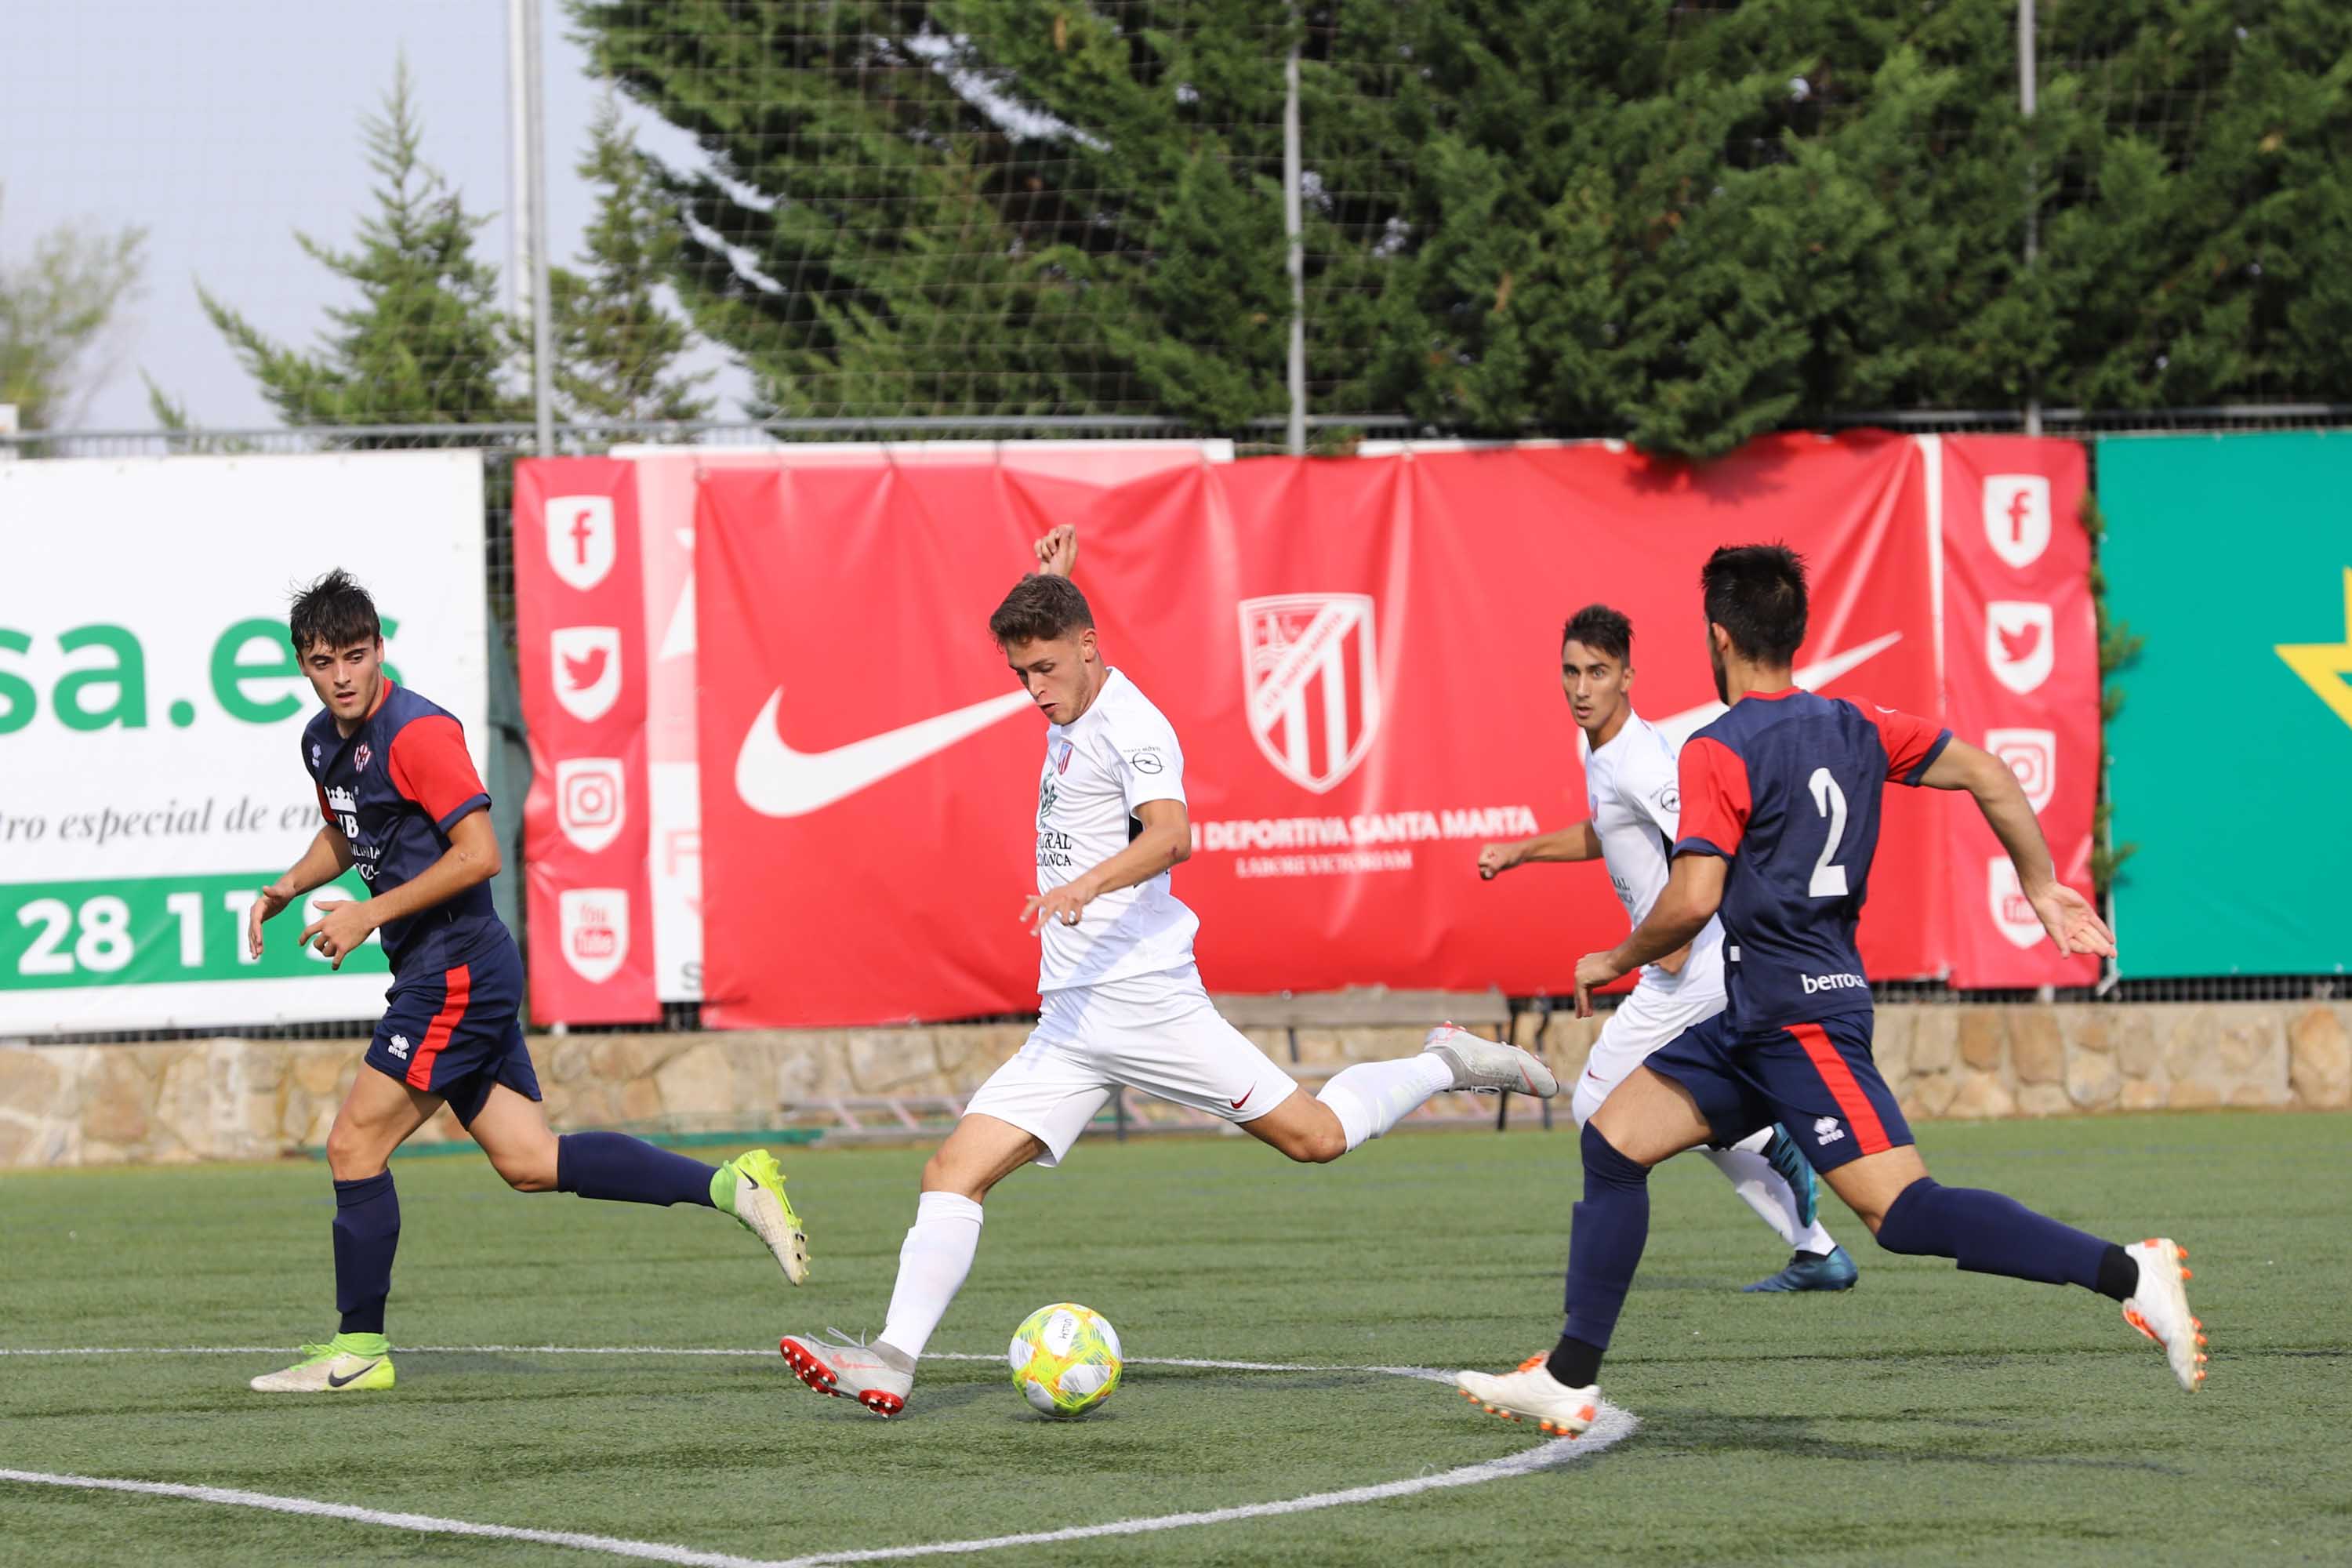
x,y
339,929
270,901
1062,904
2072,922
1592,970
1494,859
1057,552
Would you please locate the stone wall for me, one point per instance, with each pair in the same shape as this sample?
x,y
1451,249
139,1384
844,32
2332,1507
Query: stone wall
x,y
247,1100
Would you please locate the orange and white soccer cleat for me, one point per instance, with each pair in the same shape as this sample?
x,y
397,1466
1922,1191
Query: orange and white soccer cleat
x,y
1532,1393
868,1374
2159,1308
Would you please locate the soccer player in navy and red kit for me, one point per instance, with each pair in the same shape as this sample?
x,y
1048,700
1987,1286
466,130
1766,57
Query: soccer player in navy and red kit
x,y
1780,821
403,802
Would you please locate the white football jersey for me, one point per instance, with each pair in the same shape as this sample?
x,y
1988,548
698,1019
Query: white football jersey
x,y
1631,787
1118,754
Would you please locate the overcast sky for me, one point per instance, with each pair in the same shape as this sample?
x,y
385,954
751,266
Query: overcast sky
x,y
223,126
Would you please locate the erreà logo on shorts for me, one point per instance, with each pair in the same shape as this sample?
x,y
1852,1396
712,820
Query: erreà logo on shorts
x,y
594,931
1813,982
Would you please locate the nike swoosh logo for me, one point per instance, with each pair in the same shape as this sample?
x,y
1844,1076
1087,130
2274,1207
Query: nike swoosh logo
x,y
775,780
334,1382
1812,678
1237,1104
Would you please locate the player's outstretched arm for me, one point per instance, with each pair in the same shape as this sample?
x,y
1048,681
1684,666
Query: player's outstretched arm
x,y
472,857
1577,843
1165,842
329,857
1694,891
2065,914
1057,552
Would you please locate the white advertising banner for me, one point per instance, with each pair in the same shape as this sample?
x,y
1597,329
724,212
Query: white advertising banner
x,y
150,710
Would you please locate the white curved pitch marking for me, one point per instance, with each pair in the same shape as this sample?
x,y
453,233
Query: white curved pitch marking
x,y
1614,1427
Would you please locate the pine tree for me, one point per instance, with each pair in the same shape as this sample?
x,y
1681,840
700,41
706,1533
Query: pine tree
x,y
983,207
1686,225
426,343
616,348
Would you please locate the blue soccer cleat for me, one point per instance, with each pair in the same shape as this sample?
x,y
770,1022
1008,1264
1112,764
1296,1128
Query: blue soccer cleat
x,y
1789,1162
1832,1270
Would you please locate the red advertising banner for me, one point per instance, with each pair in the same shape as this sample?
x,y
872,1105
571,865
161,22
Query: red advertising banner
x,y
1360,659
2022,676
579,614
666,481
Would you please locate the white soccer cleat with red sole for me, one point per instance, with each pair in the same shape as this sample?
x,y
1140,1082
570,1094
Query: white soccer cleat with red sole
x,y
1532,1393
2159,1308
849,1372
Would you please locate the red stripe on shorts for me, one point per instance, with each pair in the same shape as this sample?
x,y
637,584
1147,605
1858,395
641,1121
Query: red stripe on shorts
x,y
460,982
1869,1133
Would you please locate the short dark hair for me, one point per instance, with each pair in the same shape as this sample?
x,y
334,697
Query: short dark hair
x,y
1602,629
334,610
1040,608
1757,593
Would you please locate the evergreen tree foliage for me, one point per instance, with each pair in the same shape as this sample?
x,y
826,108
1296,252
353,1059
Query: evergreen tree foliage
x,y
426,344
1684,223
616,348
57,305
984,206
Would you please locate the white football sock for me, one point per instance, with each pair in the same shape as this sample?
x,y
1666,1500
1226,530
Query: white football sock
x,y
1373,1097
932,1264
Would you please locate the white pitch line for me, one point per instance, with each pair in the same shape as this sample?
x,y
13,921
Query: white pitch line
x,y
1614,1427
423,1523
1426,1372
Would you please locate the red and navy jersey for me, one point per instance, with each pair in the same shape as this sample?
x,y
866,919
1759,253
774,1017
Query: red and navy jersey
x,y
396,786
1786,788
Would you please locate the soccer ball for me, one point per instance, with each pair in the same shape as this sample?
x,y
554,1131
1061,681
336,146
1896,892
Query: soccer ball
x,y
1066,1359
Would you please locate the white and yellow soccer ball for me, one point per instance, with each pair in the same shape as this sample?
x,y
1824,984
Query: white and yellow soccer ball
x,y
1066,1359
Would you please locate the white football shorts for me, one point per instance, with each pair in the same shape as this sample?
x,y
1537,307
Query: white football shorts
x,y
1156,1033
1645,1020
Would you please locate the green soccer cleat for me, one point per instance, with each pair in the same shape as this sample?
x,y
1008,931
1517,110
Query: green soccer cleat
x,y
751,1188
344,1364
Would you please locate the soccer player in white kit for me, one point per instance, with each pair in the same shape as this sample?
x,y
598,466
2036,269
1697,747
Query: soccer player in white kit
x,y
1120,1001
1631,790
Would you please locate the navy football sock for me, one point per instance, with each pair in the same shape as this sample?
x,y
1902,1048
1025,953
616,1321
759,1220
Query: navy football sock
x,y
621,1168
1987,1233
367,1233
1604,1249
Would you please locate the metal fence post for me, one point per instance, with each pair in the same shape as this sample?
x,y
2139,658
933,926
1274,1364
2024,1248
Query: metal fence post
x,y
526,127
2027,73
1294,228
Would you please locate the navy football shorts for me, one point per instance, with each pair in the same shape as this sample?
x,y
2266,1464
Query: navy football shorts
x,y
455,1030
1817,1081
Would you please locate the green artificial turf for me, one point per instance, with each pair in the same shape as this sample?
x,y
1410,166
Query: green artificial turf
x,y
1926,1417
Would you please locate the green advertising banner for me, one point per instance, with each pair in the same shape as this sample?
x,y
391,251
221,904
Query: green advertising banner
x,y
2230,765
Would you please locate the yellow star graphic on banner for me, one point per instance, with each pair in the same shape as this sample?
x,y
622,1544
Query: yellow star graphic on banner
x,y
2322,666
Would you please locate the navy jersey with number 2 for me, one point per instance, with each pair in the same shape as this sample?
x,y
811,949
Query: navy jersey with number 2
x,y
1785,786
